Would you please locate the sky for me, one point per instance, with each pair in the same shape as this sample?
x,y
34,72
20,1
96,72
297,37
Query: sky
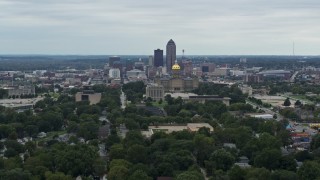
x,y
137,27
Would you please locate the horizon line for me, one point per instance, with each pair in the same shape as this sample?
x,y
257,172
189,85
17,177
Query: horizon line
x,y
40,54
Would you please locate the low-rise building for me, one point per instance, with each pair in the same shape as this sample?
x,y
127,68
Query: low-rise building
x,y
114,73
88,95
246,90
178,84
155,91
260,116
200,98
192,127
221,72
21,90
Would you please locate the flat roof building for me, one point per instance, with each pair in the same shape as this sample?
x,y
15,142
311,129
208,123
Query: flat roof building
x,y
155,91
90,96
192,127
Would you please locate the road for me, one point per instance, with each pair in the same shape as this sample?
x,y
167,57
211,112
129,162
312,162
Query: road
x,y
266,110
293,77
123,100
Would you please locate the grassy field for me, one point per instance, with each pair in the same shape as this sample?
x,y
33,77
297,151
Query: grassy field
x,y
156,104
54,95
50,135
301,98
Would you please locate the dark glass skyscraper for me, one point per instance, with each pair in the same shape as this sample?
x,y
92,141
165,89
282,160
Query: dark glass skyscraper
x,y
158,57
170,54
113,59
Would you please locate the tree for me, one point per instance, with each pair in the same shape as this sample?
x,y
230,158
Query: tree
x,y
112,139
3,93
15,146
184,113
120,162
10,152
315,143
117,151
268,158
309,170
12,163
298,103
203,147
258,173
99,167
287,102
137,154
285,137
139,175
236,173
57,176
288,163
88,130
32,130
134,91
15,174
118,173
30,147
222,159
133,137
54,119
303,155
36,166
190,175
275,116
76,160
284,175
165,169
268,141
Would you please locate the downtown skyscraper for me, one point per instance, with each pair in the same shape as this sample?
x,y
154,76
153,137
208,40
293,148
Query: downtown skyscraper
x,y
158,57
170,54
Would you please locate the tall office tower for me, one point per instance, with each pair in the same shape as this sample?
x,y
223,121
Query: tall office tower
x,y
187,67
158,57
150,61
170,54
113,59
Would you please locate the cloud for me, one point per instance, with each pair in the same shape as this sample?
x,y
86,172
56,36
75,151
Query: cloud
x,y
115,26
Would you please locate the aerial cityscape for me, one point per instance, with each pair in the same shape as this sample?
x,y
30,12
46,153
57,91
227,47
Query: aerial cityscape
x,y
95,90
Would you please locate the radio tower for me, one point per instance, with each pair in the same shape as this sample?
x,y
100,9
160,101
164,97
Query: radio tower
x,y
182,54
293,49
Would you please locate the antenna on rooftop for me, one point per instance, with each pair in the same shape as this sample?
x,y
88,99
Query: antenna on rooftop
x,y
182,54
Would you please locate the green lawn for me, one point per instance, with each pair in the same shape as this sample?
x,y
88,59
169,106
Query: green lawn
x,y
54,95
301,98
51,134
156,104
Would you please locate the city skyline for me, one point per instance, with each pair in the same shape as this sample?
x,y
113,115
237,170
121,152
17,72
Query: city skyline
x,y
204,27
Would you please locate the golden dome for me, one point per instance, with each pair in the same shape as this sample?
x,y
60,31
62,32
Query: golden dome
x,y
176,66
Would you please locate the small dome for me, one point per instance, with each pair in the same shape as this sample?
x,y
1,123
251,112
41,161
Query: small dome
x,y
176,66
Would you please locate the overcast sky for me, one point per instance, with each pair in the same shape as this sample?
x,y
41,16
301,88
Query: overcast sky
x,y
119,27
